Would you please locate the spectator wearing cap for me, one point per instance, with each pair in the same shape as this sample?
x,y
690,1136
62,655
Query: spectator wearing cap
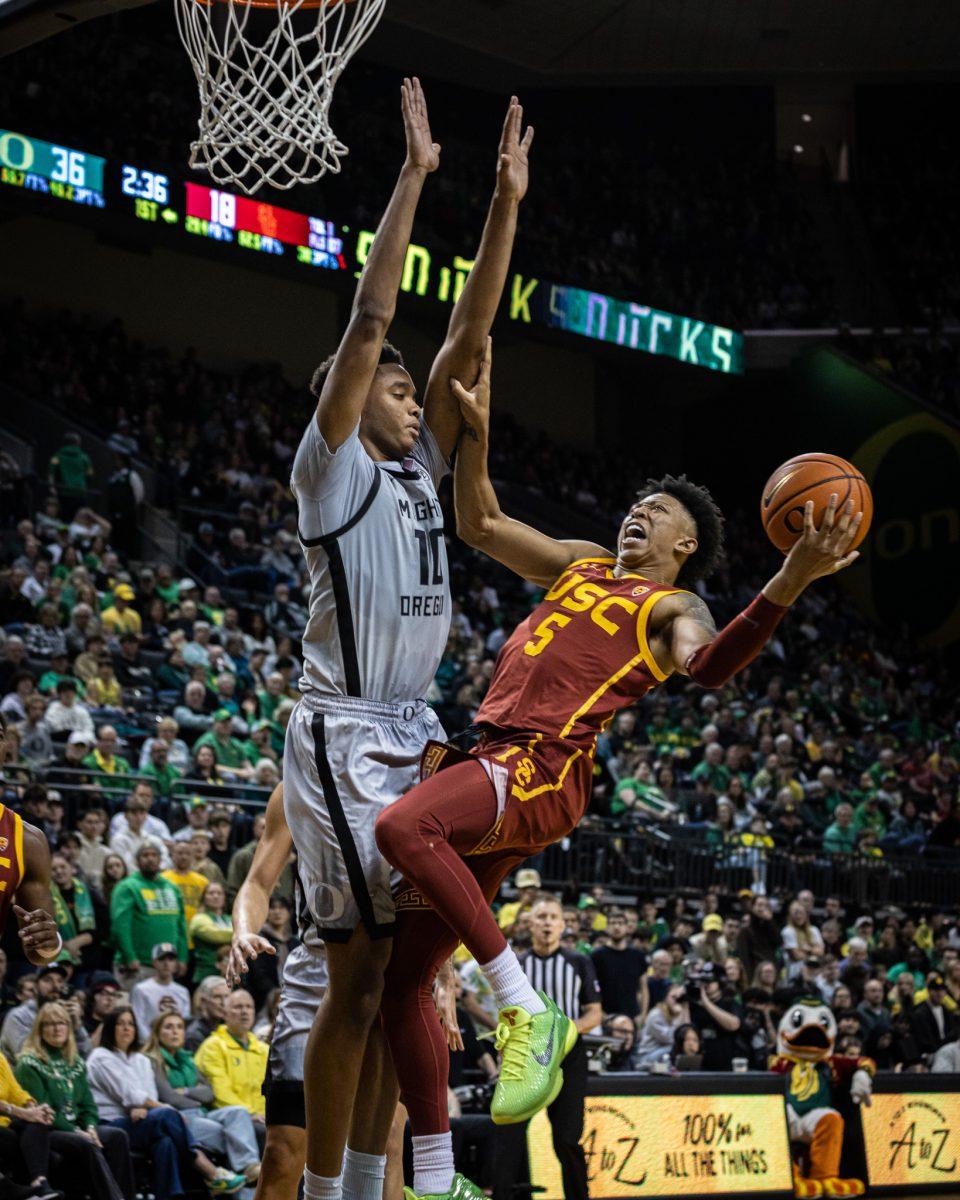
x,y
146,910
231,754
527,883
104,757
198,819
160,993
191,715
121,617
709,945
930,1023
51,981
103,991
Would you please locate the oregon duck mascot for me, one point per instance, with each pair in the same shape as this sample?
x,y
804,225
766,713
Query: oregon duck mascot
x,y
805,1044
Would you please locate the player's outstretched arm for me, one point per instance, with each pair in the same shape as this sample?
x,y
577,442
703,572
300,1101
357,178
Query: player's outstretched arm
x,y
711,658
477,305
348,381
34,908
253,899
480,522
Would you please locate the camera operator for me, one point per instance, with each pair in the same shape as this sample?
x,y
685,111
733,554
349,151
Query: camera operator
x,y
716,1016
52,984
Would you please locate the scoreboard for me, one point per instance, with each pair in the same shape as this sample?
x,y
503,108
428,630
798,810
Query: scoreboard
x,y
177,208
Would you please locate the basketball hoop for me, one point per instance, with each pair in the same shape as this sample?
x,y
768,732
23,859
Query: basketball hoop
x,y
266,71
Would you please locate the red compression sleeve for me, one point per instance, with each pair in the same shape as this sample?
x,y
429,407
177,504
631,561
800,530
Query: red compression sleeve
x,y
737,645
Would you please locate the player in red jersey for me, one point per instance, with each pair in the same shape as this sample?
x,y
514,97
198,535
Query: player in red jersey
x,y
25,876
610,628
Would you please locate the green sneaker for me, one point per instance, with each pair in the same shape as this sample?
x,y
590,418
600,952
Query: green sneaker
x,y
533,1046
460,1189
225,1183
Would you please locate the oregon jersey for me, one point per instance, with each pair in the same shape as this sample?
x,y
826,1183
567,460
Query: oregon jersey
x,y
372,535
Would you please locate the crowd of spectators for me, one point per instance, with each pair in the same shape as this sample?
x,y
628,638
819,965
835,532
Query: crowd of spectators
x,y
146,703
699,982
709,223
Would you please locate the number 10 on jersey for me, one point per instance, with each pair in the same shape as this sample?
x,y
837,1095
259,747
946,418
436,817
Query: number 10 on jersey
x,y
431,565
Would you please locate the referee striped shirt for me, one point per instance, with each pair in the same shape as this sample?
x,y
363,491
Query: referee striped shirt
x,y
568,978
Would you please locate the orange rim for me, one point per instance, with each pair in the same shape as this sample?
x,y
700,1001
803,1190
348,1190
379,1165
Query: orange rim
x,y
304,4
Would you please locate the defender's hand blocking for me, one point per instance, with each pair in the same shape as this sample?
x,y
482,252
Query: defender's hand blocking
x,y
423,153
245,948
826,550
475,405
513,164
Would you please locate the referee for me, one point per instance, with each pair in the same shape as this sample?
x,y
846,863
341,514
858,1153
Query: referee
x,y
569,980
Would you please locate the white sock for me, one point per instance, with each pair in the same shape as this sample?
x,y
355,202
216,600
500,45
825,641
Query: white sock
x,y
363,1175
433,1164
322,1187
510,984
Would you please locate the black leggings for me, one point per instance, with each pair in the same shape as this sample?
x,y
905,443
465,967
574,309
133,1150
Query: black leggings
x,y
25,1149
106,1173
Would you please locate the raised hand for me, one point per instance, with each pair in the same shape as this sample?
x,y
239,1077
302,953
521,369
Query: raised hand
x,y
513,163
245,948
422,151
817,552
826,550
475,405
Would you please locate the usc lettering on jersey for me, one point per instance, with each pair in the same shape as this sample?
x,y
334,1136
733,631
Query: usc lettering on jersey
x,y
581,655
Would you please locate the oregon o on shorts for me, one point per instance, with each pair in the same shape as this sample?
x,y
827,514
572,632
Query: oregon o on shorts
x,y
345,761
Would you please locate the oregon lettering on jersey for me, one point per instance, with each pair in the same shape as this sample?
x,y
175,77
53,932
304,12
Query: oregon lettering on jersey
x,y
373,540
581,655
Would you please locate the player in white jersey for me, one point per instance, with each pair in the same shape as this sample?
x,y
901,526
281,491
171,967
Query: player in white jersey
x,y
302,987
365,478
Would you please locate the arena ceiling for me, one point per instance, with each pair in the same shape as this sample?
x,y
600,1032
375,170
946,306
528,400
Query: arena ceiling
x,y
530,42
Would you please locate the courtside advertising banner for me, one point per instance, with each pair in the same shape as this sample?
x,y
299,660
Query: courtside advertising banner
x,y
673,1145
912,1139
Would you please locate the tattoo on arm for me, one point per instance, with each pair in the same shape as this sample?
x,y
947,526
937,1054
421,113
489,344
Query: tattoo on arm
x,y
693,608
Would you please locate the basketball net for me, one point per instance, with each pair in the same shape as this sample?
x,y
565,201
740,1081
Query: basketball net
x,y
266,71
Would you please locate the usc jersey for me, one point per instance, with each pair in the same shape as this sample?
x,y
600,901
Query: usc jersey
x,y
581,655
11,859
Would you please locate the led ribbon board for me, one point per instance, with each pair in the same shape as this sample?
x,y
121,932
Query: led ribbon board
x,y
159,199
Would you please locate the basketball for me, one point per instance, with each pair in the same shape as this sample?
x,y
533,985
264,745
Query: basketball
x,y
813,477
